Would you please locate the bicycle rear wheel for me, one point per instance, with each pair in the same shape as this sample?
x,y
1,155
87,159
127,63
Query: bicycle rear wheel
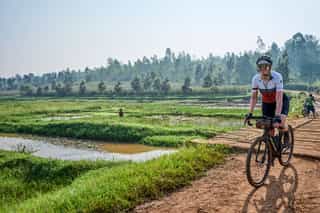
x,y
287,148
258,162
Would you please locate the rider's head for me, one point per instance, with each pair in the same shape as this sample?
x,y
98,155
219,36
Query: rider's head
x,y
264,64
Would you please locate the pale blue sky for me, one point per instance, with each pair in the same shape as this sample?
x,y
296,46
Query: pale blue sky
x,y
45,36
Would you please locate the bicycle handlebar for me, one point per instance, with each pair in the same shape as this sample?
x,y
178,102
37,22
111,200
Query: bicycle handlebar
x,y
247,121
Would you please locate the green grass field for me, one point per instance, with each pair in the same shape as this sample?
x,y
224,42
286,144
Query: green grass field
x,y
98,119
32,184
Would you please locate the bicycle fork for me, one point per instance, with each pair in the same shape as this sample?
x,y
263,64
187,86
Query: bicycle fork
x,y
263,159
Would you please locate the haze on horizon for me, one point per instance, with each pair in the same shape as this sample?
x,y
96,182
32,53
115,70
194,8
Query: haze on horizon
x,y
48,36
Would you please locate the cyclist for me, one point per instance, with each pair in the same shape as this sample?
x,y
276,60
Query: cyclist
x,y
309,104
275,103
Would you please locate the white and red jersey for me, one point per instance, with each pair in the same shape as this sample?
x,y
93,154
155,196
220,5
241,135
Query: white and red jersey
x,y
269,88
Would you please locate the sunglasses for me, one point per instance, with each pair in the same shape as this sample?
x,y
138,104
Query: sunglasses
x,y
263,66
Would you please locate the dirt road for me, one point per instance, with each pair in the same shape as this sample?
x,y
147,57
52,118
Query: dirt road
x,y
225,189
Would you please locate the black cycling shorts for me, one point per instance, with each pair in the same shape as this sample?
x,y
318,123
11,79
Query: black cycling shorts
x,y
269,109
310,109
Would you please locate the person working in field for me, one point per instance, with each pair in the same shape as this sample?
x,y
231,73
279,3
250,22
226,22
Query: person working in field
x,y
309,105
275,103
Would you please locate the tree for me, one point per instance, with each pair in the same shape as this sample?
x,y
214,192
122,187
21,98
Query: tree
x,y
117,88
274,51
53,85
153,76
186,86
244,70
283,66
147,82
218,78
88,74
26,90
156,85
82,88
39,91
101,87
11,83
67,88
136,85
230,61
46,89
198,73
261,44
207,82
165,86
304,56
59,90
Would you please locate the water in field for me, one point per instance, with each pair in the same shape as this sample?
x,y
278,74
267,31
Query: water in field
x,y
65,118
67,149
239,104
196,121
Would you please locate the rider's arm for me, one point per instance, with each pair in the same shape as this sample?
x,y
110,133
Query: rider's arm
x,y
279,98
253,100
254,95
279,95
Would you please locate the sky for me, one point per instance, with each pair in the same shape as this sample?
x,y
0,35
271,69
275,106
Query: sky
x,y
42,36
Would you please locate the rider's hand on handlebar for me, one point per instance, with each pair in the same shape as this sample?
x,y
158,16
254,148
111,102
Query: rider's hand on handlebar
x,y
247,117
277,119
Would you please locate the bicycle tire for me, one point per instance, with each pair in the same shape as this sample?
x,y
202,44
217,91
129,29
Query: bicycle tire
x,y
267,154
281,160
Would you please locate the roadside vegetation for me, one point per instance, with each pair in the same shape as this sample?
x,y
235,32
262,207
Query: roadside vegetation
x,y
30,184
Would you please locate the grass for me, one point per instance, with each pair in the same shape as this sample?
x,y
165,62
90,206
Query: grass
x,y
98,119
167,140
59,186
296,104
23,176
31,184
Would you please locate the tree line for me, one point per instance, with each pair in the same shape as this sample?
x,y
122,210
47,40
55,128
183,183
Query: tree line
x,y
298,61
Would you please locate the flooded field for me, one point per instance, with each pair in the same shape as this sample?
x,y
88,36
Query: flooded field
x,y
65,118
67,149
195,120
239,104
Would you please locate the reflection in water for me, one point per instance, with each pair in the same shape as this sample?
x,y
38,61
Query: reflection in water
x,y
126,148
277,196
42,148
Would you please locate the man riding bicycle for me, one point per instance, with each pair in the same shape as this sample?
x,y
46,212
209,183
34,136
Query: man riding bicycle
x,y
274,102
309,105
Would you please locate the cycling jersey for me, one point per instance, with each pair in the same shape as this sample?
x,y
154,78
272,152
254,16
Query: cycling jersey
x,y
309,101
268,91
269,88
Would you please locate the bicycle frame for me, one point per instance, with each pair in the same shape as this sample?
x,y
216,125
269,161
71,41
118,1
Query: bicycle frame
x,y
270,138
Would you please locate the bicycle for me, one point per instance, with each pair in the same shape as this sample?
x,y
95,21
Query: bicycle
x,y
266,148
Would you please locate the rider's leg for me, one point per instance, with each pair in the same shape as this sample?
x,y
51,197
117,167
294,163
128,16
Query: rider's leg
x,y
313,112
284,125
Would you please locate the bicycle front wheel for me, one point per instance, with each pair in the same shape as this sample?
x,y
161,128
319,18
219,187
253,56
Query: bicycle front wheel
x,y
286,147
258,162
